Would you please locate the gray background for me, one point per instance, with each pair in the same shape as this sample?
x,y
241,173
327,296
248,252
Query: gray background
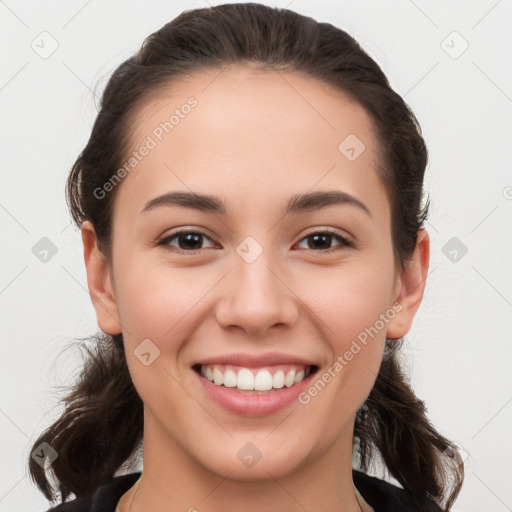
x,y
459,350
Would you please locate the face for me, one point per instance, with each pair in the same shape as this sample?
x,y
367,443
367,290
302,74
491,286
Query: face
x,y
255,283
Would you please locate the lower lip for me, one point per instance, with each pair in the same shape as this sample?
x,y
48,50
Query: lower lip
x,y
254,405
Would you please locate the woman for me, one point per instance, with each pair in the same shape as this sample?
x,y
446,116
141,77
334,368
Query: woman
x,y
250,202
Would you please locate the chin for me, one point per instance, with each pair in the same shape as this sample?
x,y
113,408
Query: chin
x,y
246,461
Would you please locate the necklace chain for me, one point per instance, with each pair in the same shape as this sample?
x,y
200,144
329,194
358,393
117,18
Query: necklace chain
x,y
135,494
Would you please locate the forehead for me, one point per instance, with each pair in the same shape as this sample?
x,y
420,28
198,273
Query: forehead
x,y
246,132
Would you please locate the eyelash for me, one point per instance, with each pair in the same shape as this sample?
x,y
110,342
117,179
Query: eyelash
x,y
345,243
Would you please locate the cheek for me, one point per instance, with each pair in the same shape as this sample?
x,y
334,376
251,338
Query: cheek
x,y
350,302
353,306
155,303
154,300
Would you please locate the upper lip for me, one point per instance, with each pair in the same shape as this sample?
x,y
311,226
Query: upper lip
x,y
253,361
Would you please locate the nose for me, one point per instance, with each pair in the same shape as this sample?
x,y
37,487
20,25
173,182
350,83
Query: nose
x,y
256,296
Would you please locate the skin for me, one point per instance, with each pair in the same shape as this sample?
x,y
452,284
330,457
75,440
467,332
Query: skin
x,y
254,139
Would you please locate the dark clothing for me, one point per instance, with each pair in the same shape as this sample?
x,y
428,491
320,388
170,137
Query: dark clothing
x,y
381,495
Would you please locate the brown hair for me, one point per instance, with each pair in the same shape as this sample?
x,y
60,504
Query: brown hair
x,y
102,424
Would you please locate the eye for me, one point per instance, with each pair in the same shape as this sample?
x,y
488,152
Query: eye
x,y
321,239
187,241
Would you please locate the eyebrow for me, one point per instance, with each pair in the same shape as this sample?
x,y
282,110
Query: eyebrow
x,y
213,204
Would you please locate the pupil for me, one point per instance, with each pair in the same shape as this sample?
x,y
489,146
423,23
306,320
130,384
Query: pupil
x,y
321,238
190,239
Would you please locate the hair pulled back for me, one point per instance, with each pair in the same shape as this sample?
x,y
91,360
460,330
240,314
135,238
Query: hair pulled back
x,y
102,424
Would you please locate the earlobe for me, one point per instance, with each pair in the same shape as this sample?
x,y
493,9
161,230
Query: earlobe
x,y
412,281
99,281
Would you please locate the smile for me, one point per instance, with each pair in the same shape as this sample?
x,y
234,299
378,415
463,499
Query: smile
x,y
254,391
255,380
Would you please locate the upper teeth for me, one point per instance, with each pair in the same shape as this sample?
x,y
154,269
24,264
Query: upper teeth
x,y
258,380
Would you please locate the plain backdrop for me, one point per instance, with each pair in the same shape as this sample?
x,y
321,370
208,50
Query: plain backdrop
x,y
452,63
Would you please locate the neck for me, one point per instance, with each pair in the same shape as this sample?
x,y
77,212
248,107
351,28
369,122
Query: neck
x,y
174,481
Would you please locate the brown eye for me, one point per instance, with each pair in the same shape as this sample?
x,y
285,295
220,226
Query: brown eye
x,y
320,241
185,241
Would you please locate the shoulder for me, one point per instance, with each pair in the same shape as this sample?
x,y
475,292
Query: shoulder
x,y
385,497
104,499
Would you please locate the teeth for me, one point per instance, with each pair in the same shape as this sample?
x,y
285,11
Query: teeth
x,y
263,381
289,380
230,379
218,378
246,380
278,379
299,376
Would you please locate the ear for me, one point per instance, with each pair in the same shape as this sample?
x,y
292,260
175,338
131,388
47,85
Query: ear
x,y
99,281
411,287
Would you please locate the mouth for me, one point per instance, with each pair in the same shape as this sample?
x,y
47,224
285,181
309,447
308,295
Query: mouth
x,y
255,381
